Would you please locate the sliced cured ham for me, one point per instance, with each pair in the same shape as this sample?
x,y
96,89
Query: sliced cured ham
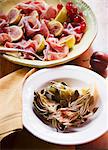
x,y
3,23
28,7
25,7
49,13
4,37
4,16
31,30
71,31
25,45
22,44
51,54
27,55
53,42
12,45
34,14
23,19
40,6
44,29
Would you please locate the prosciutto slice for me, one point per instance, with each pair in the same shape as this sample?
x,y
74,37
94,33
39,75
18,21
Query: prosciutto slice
x,y
71,30
3,23
55,54
22,44
49,13
25,45
28,7
3,16
31,29
13,45
4,37
44,29
27,55
24,18
54,44
51,55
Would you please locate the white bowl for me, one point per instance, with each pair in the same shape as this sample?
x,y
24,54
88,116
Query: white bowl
x,y
76,77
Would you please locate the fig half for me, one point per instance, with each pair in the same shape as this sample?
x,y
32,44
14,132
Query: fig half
x,y
14,16
55,27
40,42
15,33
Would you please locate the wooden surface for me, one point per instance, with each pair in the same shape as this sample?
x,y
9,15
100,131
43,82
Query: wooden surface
x,y
23,139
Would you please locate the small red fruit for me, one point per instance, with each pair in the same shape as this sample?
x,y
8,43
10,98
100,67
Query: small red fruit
x,y
78,30
77,19
60,6
69,5
75,9
83,26
80,14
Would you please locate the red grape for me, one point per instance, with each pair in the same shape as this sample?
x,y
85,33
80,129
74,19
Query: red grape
x,y
69,13
78,30
83,26
75,9
69,5
72,16
68,20
80,14
60,6
77,19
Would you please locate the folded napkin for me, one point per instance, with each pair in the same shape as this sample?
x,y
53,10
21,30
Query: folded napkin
x,y
10,101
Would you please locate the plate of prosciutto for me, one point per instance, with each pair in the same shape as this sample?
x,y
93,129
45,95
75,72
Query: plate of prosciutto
x,y
45,33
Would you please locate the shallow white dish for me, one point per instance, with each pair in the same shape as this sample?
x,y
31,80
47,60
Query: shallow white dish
x,y
77,50
77,77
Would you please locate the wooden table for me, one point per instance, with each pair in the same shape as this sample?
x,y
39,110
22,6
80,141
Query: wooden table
x,y
23,139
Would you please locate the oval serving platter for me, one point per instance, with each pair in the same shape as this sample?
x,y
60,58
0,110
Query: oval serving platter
x,y
78,49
